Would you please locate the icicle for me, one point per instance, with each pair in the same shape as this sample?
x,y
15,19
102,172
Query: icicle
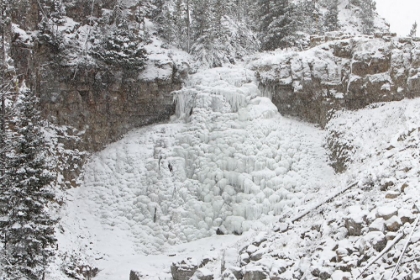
x,y
266,206
278,208
268,192
239,210
185,101
248,186
274,198
260,197
253,212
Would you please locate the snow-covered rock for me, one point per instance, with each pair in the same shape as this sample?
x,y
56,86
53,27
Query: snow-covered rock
x,y
348,73
185,269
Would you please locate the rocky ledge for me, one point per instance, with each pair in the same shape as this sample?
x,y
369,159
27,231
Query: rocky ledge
x,y
345,73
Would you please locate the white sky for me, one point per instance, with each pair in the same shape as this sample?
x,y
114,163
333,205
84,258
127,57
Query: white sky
x,y
401,14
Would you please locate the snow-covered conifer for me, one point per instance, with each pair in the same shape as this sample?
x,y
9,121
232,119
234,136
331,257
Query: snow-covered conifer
x,y
52,12
263,17
280,30
368,8
121,45
6,86
331,17
29,233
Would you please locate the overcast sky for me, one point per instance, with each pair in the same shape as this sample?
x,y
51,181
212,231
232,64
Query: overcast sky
x,y
401,14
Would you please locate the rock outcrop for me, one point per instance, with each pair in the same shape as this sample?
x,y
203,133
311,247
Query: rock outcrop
x,y
103,102
345,73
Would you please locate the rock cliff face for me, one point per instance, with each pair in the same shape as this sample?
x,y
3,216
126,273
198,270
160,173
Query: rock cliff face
x,y
346,73
97,100
104,102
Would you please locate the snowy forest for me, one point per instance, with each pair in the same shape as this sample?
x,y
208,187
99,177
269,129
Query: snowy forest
x,y
131,127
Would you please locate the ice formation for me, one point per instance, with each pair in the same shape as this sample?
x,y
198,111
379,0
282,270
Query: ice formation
x,y
227,161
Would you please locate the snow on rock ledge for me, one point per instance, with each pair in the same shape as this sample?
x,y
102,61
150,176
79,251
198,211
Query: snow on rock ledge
x,y
349,73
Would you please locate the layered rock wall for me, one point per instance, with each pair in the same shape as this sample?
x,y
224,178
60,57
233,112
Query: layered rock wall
x,y
103,102
349,73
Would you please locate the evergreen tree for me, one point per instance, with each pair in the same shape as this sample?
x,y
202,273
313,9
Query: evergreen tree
x,y
263,16
413,31
202,16
203,31
52,12
6,86
121,45
311,21
157,12
221,9
331,17
180,20
368,8
29,233
280,32
163,16
5,143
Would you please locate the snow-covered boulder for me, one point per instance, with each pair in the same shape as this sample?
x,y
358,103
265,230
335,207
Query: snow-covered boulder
x,y
202,274
185,269
255,273
355,220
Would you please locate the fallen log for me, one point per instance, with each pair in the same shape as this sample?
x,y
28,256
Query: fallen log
x,y
306,212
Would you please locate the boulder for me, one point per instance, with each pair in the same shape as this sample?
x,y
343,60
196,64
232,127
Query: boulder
x,y
228,275
377,225
255,273
340,275
341,252
355,220
184,269
322,272
386,212
202,274
278,267
135,275
392,194
393,224
406,215
245,258
260,238
256,256
376,239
